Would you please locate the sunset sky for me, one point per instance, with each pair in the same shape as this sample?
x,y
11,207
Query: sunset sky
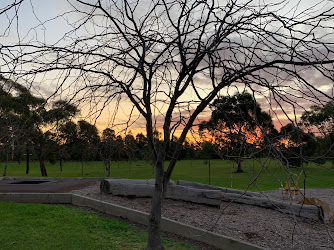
x,y
32,25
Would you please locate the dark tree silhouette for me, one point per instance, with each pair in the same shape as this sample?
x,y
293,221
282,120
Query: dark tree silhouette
x,y
238,125
88,137
26,117
294,144
108,147
130,146
142,147
68,140
319,120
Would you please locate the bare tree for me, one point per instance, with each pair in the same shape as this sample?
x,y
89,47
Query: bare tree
x,y
171,58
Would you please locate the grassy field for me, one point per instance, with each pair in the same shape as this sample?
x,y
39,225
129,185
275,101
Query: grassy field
x,y
271,175
38,226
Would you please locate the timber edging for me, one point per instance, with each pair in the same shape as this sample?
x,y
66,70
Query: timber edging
x,y
213,239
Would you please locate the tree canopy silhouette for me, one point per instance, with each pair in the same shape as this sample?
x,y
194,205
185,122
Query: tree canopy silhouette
x,y
238,125
25,118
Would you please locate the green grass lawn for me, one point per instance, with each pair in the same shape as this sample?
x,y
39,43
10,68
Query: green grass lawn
x,y
39,226
271,174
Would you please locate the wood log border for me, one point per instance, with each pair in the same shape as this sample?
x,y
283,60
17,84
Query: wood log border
x,y
210,187
209,195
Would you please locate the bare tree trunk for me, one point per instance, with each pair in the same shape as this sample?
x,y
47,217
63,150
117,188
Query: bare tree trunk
x,y
27,166
82,167
106,163
42,167
61,165
239,169
5,171
154,227
108,168
13,149
19,157
209,172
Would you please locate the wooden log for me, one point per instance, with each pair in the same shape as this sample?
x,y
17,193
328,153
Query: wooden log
x,y
210,187
135,181
142,188
202,196
311,212
129,187
134,190
145,188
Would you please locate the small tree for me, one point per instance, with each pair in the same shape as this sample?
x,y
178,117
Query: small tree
x,y
237,125
320,120
130,146
142,147
68,139
88,139
208,152
108,147
26,117
294,144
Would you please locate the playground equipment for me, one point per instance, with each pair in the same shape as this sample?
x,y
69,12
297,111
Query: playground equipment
x,y
291,188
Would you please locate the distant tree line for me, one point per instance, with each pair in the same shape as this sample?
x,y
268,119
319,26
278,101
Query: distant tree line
x,y
33,129
239,129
